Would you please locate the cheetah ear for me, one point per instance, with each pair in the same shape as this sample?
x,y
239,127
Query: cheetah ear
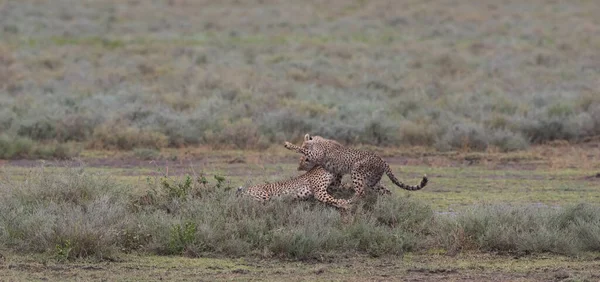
x,y
307,137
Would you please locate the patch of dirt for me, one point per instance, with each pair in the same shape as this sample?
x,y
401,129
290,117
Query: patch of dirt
x,y
432,270
595,177
183,165
282,270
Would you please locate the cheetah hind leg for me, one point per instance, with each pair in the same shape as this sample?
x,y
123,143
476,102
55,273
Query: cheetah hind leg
x,y
363,179
358,183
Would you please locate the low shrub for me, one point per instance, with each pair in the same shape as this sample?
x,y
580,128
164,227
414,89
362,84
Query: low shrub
x,y
243,134
508,141
70,214
463,136
415,134
55,150
25,148
146,153
126,138
12,148
543,130
525,230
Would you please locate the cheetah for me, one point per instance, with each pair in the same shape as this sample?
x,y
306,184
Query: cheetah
x,y
365,167
313,183
336,185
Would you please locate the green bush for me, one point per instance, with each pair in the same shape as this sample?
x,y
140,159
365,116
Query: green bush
x,y
25,148
42,129
182,236
61,151
146,153
12,148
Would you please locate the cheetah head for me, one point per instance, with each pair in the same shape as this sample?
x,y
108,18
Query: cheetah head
x,y
309,140
305,164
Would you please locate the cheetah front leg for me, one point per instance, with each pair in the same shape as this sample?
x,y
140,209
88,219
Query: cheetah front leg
x,y
320,193
295,148
324,197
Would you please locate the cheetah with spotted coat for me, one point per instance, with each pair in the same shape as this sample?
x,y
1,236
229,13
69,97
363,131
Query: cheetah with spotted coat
x,y
337,185
313,183
365,167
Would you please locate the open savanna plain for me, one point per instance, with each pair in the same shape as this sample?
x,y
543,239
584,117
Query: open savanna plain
x,y
127,126
473,193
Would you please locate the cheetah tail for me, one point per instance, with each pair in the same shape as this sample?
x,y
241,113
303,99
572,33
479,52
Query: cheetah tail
x,y
395,180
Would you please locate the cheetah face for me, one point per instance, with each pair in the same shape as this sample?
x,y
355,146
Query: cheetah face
x,y
305,164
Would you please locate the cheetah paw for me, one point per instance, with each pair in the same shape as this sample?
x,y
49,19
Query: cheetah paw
x,y
288,145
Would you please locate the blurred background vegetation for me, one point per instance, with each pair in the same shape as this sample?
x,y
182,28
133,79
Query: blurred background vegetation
x,y
114,74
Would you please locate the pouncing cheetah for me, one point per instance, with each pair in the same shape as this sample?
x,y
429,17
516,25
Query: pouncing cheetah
x,y
313,183
365,167
337,185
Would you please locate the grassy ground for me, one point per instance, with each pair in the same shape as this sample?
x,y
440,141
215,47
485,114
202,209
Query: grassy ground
x,y
466,267
81,80
460,181
450,189
545,175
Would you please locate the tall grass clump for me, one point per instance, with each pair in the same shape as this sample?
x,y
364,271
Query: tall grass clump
x,y
74,214
209,220
71,214
524,230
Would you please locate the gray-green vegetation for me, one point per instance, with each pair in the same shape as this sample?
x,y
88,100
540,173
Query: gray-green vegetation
x,y
74,213
154,76
151,74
